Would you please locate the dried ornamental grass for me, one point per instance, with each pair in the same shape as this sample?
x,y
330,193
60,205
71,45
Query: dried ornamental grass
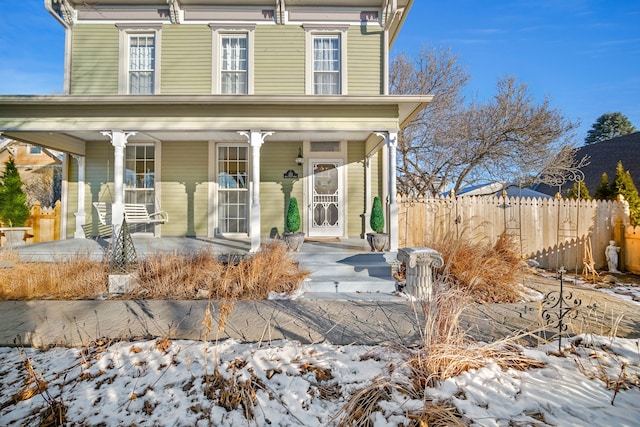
x,y
489,273
77,278
167,276
204,275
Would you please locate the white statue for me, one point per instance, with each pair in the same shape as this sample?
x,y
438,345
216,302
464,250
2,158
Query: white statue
x,y
612,256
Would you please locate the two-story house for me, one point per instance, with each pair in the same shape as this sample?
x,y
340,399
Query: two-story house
x,y
219,111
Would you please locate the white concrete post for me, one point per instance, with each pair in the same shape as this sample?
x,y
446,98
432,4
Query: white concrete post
x,y
119,141
80,214
256,139
419,262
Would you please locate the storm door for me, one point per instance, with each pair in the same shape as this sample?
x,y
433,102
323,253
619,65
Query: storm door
x,y
327,205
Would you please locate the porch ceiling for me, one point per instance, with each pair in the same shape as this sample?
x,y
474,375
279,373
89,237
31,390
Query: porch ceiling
x,y
65,122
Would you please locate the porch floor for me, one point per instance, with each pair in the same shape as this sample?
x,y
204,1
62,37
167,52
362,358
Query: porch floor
x,y
344,268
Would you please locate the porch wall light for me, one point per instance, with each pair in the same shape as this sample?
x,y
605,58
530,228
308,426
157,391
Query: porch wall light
x,y
299,159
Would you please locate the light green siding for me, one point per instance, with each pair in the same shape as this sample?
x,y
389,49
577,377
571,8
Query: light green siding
x,y
184,190
275,191
279,60
98,179
94,65
364,61
72,196
186,59
355,189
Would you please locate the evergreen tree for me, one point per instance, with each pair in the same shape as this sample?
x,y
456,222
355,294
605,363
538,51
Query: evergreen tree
x,y
603,192
623,184
572,193
14,211
377,216
609,126
293,216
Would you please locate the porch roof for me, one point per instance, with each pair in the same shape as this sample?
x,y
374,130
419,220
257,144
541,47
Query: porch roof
x,y
66,122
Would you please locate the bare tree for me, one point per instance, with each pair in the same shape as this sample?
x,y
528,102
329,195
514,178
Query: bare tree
x,y
453,144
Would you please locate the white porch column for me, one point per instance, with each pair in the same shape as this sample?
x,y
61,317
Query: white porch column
x,y
367,194
119,141
392,143
80,214
256,139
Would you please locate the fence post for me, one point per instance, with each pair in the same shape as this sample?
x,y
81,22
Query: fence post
x,y
56,221
36,212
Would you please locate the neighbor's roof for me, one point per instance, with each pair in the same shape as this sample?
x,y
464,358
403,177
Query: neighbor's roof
x,y
604,157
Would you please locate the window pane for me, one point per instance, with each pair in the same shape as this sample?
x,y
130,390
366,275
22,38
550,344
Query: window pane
x,y
140,180
326,65
234,64
232,189
141,63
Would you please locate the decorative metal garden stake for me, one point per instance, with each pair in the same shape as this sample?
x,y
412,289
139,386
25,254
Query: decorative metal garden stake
x,y
123,252
558,305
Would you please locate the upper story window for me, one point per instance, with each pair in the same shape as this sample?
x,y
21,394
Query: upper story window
x,y
326,65
232,58
142,63
234,64
139,59
326,59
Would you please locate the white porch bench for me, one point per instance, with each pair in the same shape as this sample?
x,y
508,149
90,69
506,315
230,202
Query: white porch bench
x,y
135,213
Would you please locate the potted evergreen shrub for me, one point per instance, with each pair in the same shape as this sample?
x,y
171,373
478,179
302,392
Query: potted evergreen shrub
x,y
292,237
377,240
14,211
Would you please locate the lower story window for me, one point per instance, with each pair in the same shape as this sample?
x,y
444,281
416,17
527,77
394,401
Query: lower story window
x,y
139,179
233,166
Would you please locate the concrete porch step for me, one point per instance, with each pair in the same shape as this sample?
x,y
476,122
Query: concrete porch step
x,y
346,272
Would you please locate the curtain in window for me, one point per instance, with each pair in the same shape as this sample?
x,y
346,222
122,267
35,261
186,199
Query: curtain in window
x,y
326,65
141,64
234,64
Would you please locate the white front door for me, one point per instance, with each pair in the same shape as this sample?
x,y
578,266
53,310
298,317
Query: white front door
x,y
326,210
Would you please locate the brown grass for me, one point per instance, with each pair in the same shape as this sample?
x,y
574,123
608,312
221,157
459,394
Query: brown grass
x,y
167,276
203,275
447,351
490,274
78,278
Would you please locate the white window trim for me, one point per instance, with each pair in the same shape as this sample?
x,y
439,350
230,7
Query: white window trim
x,y
218,30
312,30
133,29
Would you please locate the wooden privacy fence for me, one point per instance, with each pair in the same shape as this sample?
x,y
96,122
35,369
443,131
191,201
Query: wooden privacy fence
x,y
554,232
44,223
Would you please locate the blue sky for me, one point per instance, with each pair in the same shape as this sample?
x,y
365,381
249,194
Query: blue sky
x,y
583,54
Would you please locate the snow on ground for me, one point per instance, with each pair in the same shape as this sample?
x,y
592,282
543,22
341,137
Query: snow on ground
x,y
174,383
618,288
